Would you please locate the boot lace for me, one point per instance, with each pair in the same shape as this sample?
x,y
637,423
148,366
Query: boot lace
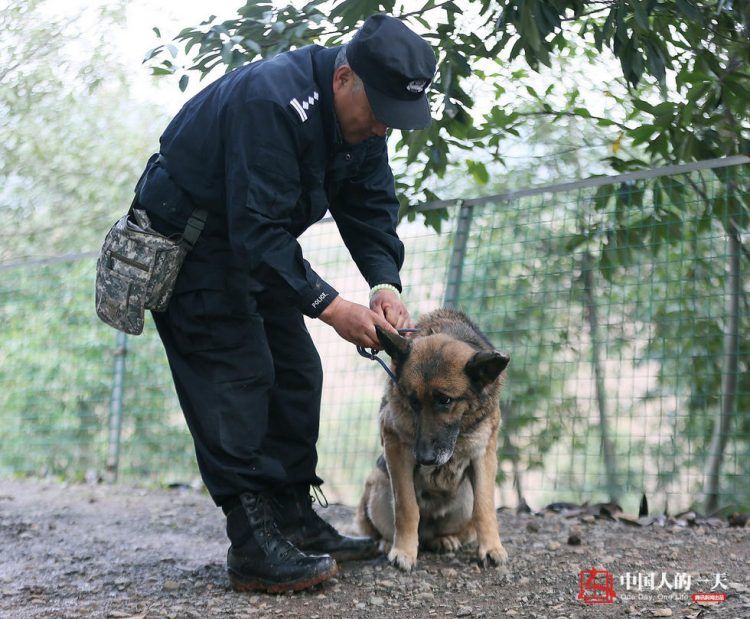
x,y
268,528
312,517
317,495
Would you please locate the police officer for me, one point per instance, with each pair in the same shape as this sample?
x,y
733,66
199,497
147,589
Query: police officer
x,y
262,154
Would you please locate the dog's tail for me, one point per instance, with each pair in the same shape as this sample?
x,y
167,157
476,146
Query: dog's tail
x,y
366,527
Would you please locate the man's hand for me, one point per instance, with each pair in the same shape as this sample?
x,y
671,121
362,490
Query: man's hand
x,y
388,305
354,322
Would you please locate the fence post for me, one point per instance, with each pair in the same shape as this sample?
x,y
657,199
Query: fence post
x,y
723,418
458,254
115,407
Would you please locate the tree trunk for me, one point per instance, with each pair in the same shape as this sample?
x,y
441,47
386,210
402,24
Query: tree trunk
x,y
723,420
601,396
511,451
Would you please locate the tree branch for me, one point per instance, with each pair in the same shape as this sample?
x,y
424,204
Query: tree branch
x,y
607,6
559,113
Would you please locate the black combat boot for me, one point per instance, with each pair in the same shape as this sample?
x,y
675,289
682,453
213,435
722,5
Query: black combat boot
x,y
261,559
300,524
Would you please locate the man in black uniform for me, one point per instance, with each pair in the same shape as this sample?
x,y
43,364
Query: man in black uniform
x,y
266,150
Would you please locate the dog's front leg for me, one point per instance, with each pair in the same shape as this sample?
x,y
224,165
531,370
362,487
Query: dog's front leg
x,y
491,551
400,461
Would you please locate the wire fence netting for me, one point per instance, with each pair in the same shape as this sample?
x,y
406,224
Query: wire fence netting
x,y
624,307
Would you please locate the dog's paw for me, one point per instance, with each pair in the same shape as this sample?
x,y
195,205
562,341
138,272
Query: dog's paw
x,y
468,536
492,556
402,559
384,546
446,543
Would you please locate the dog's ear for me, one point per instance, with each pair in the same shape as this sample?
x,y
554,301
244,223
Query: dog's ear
x,y
485,366
397,347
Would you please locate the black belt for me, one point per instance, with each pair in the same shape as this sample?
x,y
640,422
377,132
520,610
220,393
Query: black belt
x,y
197,220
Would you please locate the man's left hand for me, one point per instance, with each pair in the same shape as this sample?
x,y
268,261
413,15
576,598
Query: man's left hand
x,y
388,304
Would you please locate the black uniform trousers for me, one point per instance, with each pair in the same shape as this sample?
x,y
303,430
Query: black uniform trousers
x,y
246,372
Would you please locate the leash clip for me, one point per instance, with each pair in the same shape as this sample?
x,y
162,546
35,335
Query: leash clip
x,y
374,357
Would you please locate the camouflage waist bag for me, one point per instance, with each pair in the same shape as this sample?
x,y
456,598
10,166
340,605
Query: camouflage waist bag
x,y
138,267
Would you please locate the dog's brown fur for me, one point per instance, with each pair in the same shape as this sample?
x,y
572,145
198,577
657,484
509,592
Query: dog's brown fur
x,y
439,456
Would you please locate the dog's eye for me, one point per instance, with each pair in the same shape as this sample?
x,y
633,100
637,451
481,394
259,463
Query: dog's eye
x,y
442,400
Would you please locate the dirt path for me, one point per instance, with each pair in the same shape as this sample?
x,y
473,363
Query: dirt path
x,y
115,551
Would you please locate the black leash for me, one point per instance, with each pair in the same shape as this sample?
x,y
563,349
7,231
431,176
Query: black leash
x,y
372,355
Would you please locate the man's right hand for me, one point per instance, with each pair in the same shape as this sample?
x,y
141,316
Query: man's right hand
x,y
354,322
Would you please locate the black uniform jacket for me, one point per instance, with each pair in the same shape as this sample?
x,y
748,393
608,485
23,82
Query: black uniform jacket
x,y
261,147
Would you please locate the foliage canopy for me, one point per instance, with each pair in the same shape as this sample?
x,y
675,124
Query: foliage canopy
x,y
681,94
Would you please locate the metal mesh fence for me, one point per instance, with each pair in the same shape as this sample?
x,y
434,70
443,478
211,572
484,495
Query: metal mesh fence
x,y
623,306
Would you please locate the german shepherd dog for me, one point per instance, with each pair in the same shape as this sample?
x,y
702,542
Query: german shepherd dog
x,y
434,484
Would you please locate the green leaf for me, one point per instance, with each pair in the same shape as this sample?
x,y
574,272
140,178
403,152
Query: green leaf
x,y
478,171
627,241
186,33
415,143
643,106
157,32
423,22
574,242
252,46
657,197
660,145
152,52
629,195
674,189
665,110
184,82
606,263
689,10
226,52
642,134
602,197
738,86
528,28
655,60
641,16
434,219
605,34
517,48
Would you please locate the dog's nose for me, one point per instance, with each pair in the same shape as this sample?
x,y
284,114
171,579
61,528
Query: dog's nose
x,y
427,458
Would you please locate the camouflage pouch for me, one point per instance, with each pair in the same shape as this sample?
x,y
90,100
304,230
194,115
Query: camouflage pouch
x,y
137,269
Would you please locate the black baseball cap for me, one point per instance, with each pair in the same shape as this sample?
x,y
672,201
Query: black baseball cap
x,y
396,66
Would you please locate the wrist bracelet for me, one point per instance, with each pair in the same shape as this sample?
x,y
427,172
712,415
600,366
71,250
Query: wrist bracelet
x,y
379,287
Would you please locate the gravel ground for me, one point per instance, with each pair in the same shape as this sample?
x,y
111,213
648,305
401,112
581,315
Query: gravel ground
x,y
115,551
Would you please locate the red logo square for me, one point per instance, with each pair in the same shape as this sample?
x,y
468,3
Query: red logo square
x,y
596,587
